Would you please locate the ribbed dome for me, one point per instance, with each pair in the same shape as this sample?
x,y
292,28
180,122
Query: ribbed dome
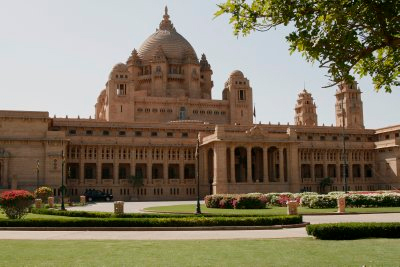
x,y
173,45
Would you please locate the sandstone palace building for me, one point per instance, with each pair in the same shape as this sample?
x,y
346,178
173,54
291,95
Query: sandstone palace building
x,y
147,121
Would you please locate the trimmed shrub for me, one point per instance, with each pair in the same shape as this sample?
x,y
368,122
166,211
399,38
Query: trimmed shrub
x,y
245,201
15,203
250,201
156,222
348,231
322,202
43,193
212,201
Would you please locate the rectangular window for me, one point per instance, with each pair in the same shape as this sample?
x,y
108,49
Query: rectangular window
x,y
170,134
72,131
106,133
122,133
185,134
138,133
153,133
89,132
242,95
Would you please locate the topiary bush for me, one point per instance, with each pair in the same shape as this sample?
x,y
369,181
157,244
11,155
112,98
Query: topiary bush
x,y
15,203
43,193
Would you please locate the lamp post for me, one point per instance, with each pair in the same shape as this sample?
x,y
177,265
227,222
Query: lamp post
x,y
198,210
344,150
62,181
37,174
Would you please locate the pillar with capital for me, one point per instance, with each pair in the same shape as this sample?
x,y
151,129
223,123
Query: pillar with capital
x,y
265,164
249,173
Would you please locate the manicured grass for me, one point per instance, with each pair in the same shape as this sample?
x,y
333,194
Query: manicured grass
x,y
190,208
269,252
41,216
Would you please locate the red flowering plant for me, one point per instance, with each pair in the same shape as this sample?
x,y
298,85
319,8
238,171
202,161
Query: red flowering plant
x,y
15,203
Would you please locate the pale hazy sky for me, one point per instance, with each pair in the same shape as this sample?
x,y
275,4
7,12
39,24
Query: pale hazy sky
x,y
56,55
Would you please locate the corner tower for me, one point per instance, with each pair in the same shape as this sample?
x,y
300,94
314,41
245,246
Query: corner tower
x,y
306,110
349,107
240,96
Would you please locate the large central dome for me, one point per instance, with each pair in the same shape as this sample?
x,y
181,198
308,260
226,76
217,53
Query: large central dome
x,y
173,45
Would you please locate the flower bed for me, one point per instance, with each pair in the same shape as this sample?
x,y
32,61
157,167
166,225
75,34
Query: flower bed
x,y
244,201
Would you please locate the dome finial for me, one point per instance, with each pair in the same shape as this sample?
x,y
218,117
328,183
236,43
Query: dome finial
x,y
166,24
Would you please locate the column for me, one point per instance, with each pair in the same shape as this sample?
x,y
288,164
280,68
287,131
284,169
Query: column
x,y
312,167
350,166
233,175
204,156
325,164
149,166
181,166
265,164
219,167
281,162
133,162
116,165
362,166
98,165
165,166
249,176
81,166
338,170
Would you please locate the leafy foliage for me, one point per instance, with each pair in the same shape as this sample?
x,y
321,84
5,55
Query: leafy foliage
x,y
15,203
343,36
43,193
136,181
346,231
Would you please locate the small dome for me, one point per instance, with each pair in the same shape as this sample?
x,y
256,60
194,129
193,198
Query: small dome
x,y
237,73
120,67
173,45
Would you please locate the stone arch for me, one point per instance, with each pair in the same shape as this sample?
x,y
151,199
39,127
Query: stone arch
x,y
257,168
240,164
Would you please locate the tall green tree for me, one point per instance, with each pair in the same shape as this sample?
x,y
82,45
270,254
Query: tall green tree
x,y
345,36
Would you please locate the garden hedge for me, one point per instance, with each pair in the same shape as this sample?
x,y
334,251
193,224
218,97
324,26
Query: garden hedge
x,y
93,214
155,222
348,231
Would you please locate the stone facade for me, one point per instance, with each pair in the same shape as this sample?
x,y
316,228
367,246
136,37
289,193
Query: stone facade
x,y
147,121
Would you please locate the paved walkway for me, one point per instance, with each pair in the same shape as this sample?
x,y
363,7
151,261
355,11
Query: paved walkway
x,y
187,235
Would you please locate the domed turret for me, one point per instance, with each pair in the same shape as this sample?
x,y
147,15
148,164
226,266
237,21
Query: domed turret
x,y
174,45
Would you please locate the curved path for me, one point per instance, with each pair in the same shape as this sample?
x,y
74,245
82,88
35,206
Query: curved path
x,y
187,235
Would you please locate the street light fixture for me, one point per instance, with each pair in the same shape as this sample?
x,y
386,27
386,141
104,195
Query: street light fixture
x,y
198,210
62,181
344,149
37,174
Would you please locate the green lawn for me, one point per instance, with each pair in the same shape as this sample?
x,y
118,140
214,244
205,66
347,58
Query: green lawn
x,y
270,252
190,208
